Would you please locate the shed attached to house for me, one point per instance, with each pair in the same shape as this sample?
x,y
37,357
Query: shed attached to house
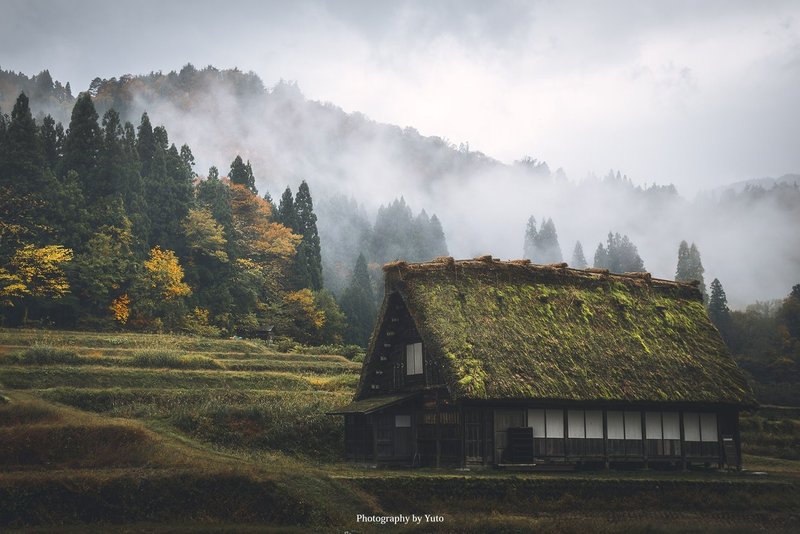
x,y
483,362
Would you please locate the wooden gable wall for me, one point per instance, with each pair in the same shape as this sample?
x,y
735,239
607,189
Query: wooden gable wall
x,y
386,370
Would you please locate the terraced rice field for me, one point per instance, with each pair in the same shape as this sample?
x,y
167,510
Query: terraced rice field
x,y
134,432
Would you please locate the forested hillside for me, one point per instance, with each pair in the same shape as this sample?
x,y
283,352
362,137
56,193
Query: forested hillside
x,y
248,247
355,165
104,224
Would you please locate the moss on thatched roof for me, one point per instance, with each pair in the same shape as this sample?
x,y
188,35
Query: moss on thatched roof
x,y
514,330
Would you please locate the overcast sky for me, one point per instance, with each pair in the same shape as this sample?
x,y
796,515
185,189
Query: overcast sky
x,y
694,93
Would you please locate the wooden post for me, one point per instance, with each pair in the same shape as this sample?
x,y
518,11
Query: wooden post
x,y
373,419
463,426
605,437
644,439
566,435
738,440
720,449
436,428
683,442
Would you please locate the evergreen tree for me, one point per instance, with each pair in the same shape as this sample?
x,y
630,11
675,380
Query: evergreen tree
x,y
529,246
241,173
578,259
216,196
358,305
437,244
52,136
26,186
789,316
718,310
82,146
287,215
600,257
690,267
146,144
619,256
114,168
547,248
22,163
393,235
308,261
682,272
542,246
213,173
696,269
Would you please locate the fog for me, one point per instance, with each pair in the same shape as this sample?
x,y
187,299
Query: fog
x,y
699,96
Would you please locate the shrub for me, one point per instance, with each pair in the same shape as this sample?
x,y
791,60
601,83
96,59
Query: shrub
x,y
44,354
171,359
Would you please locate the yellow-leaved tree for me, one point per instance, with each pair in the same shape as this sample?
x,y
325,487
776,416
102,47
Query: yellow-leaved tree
x,y
164,274
34,272
158,294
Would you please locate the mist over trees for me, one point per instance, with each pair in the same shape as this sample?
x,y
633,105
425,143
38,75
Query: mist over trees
x,y
481,203
541,246
690,266
619,255
106,226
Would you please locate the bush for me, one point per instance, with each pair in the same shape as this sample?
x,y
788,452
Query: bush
x,y
172,360
285,344
43,354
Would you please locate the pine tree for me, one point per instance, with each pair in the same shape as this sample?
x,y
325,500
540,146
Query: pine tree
x,y
52,136
542,246
690,267
242,174
82,146
696,269
358,305
600,257
547,248
393,236
287,215
437,242
718,310
146,144
619,256
22,162
682,270
26,185
578,259
309,257
529,246
213,173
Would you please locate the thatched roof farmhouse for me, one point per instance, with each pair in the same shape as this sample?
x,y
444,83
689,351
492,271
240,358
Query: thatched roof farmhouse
x,y
508,363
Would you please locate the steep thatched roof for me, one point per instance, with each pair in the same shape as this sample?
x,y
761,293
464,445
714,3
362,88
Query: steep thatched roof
x,y
501,330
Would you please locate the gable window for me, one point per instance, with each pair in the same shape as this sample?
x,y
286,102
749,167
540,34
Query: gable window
x,y
414,359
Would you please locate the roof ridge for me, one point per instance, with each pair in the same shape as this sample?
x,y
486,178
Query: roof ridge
x,y
482,262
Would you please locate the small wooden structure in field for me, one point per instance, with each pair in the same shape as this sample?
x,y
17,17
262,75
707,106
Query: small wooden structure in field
x,y
483,362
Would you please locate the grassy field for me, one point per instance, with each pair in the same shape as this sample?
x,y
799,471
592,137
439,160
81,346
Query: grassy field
x,y
134,432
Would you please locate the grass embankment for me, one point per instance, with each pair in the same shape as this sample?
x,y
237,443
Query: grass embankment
x,y
163,431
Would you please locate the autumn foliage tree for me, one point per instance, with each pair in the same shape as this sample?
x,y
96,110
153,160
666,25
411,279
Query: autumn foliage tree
x,y
34,273
160,290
